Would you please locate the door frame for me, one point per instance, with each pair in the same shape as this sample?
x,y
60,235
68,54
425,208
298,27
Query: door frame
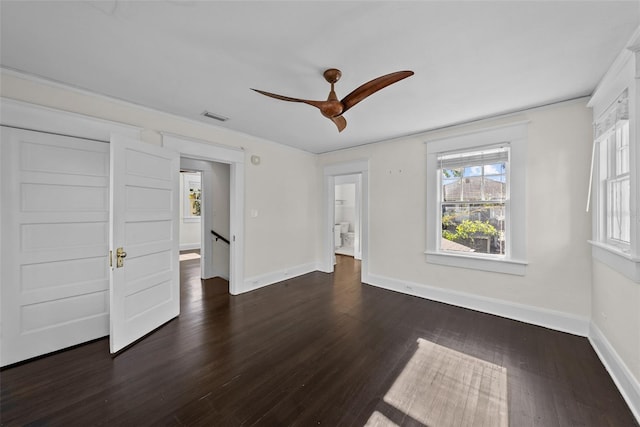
x,y
235,157
330,172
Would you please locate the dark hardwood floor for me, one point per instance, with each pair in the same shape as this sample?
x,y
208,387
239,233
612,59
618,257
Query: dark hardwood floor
x,y
321,349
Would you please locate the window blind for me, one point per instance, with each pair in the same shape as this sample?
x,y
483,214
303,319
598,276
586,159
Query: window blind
x,y
619,110
483,157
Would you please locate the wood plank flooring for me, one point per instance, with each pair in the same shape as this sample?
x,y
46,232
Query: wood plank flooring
x,y
321,349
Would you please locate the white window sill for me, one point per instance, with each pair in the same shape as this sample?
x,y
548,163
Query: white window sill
x,y
624,263
495,265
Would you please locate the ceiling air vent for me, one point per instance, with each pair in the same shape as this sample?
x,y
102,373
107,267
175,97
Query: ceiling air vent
x,y
215,116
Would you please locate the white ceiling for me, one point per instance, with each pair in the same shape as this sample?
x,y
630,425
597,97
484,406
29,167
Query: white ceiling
x,y
471,59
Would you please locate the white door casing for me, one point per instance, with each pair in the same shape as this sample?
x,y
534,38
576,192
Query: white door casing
x,y
145,291
54,246
234,157
330,172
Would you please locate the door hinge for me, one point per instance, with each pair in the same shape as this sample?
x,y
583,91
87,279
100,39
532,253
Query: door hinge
x,y
110,258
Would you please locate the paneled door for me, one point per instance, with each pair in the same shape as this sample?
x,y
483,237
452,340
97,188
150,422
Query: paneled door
x,y
145,273
54,242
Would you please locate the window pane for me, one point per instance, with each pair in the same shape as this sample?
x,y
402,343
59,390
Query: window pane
x,y
494,187
495,169
473,171
473,227
451,173
618,213
622,149
474,188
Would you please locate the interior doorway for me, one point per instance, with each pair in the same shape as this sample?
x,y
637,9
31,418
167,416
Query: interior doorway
x,y
204,215
222,169
352,172
348,201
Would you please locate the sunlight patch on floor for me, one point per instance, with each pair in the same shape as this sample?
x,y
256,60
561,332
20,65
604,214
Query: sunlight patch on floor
x,y
443,387
189,255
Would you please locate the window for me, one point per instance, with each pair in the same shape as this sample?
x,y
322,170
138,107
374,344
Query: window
x,y
476,200
616,238
613,178
473,193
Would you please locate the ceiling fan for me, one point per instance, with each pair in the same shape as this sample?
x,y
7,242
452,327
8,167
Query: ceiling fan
x,y
332,108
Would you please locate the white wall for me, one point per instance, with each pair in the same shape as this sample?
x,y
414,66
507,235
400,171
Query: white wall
x,y
346,204
558,276
283,189
616,313
190,234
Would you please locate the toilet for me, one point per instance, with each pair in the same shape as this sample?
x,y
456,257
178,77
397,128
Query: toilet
x,y
337,240
344,232
348,239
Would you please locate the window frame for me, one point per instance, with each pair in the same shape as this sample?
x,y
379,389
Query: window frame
x,y
514,261
620,256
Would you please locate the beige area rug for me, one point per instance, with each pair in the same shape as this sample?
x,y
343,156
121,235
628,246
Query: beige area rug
x,y
440,387
189,255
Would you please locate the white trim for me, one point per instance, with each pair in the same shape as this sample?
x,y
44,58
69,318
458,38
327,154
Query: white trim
x,y
346,168
471,136
621,262
189,246
552,319
203,150
257,282
488,263
627,384
618,65
360,167
515,134
224,131
44,119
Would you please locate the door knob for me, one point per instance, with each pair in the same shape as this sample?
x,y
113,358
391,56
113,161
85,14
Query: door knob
x,y
120,256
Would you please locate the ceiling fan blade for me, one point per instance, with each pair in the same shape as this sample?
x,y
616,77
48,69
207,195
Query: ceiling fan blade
x,y
372,87
340,122
317,104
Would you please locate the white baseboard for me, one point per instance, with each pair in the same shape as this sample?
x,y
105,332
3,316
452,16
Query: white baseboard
x,y
189,246
256,282
628,385
551,319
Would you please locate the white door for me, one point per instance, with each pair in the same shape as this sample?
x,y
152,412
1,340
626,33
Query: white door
x,y
145,290
55,242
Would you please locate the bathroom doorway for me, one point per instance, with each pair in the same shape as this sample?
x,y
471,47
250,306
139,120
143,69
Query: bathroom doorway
x,y
354,172
347,212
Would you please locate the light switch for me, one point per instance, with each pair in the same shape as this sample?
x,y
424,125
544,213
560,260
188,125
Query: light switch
x,y
254,213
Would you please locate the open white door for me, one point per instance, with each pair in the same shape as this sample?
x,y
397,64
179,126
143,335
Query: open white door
x,y
145,280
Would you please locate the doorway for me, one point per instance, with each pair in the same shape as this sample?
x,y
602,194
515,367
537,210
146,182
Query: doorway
x,y
340,173
222,170
348,201
204,218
